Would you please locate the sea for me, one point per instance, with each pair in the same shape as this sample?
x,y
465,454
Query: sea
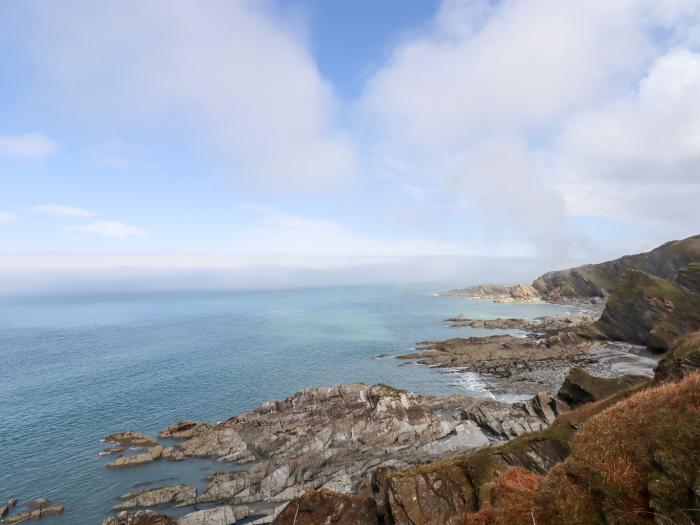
x,y
74,368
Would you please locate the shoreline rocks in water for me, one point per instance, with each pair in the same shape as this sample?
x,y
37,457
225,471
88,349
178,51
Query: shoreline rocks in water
x,y
520,293
130,439
336,439
538,327
34,509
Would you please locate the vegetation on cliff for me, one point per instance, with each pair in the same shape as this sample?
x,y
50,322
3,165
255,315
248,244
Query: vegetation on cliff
x,y
649,310
636,462
597,280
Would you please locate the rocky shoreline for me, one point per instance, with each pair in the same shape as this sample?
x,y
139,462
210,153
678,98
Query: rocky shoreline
x,y
335,439
378,455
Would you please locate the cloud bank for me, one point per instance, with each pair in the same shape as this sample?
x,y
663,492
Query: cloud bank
x,y
241,78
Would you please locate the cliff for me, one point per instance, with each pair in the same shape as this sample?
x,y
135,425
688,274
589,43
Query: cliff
x,y
597,280
649,310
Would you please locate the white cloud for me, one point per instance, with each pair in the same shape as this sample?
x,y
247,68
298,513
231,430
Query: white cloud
x,y
110,229
28,145
637,158
500,69
242,79
475,104
62,210
6,217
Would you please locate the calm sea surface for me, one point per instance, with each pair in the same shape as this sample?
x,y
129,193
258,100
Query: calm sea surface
x,y
76,368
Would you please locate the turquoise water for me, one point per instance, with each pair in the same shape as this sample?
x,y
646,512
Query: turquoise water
x,y
76,368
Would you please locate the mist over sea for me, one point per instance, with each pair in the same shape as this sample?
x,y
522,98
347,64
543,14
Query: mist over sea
x,y
78,367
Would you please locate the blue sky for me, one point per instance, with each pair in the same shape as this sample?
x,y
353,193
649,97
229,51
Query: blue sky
x,y
319,135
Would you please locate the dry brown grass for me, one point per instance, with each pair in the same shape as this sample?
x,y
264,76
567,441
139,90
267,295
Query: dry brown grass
x,y
512,499
634,461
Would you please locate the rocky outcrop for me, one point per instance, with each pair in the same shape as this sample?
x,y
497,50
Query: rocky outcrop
x,y
597,280
141,517
150,455
443,492
224,515
681,360
635,463
580,387
182,430
505,421
521,293
649,310
35,509
328,508
130,439
330,438
513,364
539,327
176,494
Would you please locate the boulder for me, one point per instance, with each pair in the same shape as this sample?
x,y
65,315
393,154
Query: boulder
x,y
225,515
152,454
682,359
175,494
328,508
580,387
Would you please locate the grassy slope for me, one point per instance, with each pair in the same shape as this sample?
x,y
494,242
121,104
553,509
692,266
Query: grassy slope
x,y
597,279
634,462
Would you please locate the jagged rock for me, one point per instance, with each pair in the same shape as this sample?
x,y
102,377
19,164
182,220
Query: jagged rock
x,y
328,508
182,430
225,486
128,439
159,496
504,420
465,435
225,515
682,359
580,387
152,454
325,437
432,497
649,310
141,517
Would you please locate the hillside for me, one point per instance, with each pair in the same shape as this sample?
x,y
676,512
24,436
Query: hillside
x,y
597,280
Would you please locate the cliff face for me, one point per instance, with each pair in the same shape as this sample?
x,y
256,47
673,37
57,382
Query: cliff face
x,y
597,280
649,310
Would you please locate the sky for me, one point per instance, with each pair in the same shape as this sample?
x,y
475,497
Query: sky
x,y
170,143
